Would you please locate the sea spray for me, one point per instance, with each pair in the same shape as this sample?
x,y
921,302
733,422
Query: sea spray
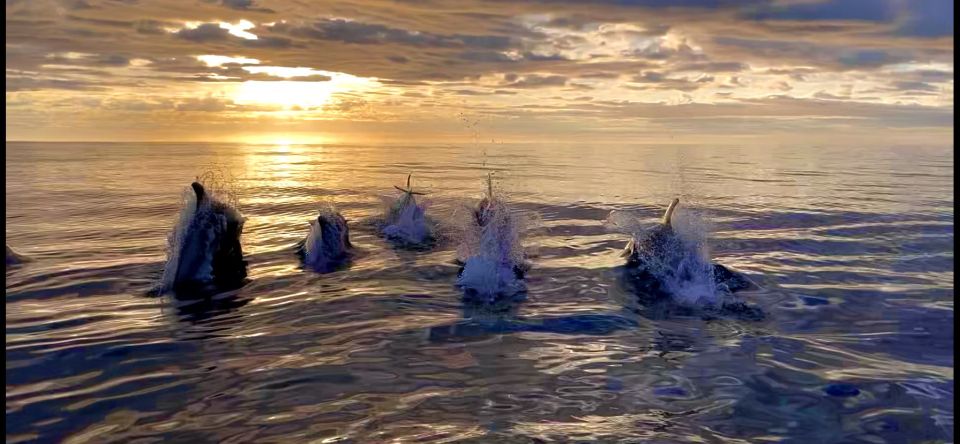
x,y
405,221
678,264
491,249
327,242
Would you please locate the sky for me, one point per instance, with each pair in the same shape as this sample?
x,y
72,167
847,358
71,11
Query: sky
x,y
411,71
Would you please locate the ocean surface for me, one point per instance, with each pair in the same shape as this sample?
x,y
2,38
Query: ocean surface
x,y
852,246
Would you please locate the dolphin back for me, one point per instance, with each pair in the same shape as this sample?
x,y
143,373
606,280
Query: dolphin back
x,y
327,243
209,251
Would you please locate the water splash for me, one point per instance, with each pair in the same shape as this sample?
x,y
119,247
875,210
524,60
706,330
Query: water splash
x,y
328,242
405,221
677,260
491,248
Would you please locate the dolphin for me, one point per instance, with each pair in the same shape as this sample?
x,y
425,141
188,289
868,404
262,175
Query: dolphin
x,y
406,222
492,266
327,243
207,251
659,252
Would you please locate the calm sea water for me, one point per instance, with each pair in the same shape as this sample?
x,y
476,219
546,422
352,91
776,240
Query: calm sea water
x,y
852,245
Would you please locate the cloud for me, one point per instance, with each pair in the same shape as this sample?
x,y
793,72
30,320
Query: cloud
x,y
536,81
207,104
915,86
244,5
354,32
713,67
148,26
205,32
33,84
869,58
865,10
526,62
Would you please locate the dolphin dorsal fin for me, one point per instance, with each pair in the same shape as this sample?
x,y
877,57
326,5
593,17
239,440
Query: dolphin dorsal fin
x,y
669,213
409,189
200,192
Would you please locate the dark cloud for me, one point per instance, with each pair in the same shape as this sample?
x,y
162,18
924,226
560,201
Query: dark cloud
x,y
268,42
866,10
536,81
915,86
33,84
869,58
150,26
648,77
486,57
713,67
112,60
354,32
207,104
831,56
657,80
244,5
100,22
599,75
206,32
933,75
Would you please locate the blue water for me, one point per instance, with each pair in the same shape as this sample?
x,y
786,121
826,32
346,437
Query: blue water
x,y
852,246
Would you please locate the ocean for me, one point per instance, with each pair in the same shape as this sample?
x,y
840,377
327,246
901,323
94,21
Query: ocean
x,y
852,247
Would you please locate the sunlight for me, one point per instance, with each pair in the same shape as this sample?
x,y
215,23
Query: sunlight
x,y
298,95
291,95
284,142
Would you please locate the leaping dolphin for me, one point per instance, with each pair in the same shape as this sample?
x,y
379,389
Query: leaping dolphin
x,y
491,257
658,255
206,252
327,243
406,221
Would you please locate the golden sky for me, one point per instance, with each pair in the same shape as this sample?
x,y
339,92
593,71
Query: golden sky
x,y
429,70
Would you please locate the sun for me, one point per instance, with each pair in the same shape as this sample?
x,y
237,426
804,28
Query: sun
x,y
285,94
301,89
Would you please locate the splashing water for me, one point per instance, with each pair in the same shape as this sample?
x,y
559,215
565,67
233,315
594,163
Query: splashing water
x,y
491,248
405,220
408,223
326,243
680,262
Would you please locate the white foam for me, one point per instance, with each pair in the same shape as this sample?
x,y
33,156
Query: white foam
x,y
188,209
406,221
684,268
318,251
493,252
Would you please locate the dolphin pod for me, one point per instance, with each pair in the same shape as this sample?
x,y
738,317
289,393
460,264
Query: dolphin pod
x,y
205,252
